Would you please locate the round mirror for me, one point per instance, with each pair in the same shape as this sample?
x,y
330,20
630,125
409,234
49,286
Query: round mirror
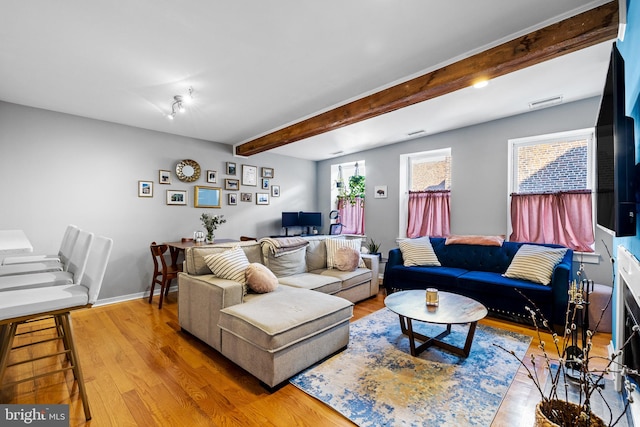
x,y
188,170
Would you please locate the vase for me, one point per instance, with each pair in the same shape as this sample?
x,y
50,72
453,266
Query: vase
x,y
571,410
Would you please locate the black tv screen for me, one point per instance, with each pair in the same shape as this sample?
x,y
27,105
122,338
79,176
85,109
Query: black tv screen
x,y
615,155
290,219
310,219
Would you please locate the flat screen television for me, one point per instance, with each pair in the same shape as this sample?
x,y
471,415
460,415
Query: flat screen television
x,y
290,219
615,155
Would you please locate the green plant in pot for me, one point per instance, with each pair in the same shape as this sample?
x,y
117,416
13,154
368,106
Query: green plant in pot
x,y
211,223
373,247
354,191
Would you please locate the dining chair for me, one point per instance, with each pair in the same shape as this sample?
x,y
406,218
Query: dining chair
x,y
163,273
76,262
19,307
66,246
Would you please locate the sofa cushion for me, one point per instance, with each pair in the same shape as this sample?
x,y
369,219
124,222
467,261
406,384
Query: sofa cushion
x,y
260,279
285,264
348,278
194,256
418,252
495,259
230,264
346,259
535,263
424,276
316,253
314,282
333,245
282,318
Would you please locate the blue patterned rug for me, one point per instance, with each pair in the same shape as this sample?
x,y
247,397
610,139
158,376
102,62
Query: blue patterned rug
x,y
376,381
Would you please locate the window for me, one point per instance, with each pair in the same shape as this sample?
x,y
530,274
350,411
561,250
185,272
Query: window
x,y
425,184
550,189
347,193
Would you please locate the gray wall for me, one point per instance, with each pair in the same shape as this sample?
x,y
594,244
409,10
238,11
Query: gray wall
x,y
58,169
479,174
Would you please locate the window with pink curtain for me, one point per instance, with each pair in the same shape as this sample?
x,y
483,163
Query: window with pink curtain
x,y
563,218
429,213
351,216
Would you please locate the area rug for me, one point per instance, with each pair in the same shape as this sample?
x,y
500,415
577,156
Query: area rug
x,y
376,381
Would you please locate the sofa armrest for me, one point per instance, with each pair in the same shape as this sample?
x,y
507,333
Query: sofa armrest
x,y
200,299
373,263
395,258
560,279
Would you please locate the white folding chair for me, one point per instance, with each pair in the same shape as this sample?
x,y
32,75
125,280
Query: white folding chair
x,y
76,262
30,305
75,269
66,246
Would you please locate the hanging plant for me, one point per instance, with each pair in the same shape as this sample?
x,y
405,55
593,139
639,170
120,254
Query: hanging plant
x,y
354,191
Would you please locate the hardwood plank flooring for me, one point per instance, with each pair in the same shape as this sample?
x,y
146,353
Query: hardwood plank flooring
x,y
141,369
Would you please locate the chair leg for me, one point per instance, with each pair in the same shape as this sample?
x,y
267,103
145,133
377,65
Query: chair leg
x,y
153,286
65,321
162,288
7,333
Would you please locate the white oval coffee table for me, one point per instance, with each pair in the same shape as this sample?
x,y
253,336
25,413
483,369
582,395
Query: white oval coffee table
x,y
453,309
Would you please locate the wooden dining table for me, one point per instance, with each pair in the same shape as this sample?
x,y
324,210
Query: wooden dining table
x,y
175,248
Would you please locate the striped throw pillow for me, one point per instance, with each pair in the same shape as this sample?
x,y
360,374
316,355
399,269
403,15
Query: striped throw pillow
x,y
230,265
535,263
418,252
333,245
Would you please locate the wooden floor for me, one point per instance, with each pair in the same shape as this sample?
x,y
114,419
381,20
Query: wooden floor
x,y
140,369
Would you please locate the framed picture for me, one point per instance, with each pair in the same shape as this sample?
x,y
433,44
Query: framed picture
x,y
206,197
380,192
231,168
267,172
249,175
232,198
212,177
177,197
145,188
231,184
246,197
275,191
165,177
265,183
262,198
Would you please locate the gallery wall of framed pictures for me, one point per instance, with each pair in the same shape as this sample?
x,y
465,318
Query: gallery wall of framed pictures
x,y
236,177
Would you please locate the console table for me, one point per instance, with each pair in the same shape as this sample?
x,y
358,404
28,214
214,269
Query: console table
x,y
175,248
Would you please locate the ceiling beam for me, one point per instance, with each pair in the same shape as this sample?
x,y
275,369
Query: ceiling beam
x,y
572,34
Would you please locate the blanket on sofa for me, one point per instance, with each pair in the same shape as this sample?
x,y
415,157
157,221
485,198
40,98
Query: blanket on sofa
x,y
282,245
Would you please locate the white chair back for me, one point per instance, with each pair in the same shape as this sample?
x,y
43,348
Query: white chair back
x,y
68,241
78,259
96,266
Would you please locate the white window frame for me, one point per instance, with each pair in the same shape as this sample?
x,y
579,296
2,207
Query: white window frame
x,y
587,134
405,181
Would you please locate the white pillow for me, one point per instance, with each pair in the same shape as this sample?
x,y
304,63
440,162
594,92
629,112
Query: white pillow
x,y
535,263
418,252
333,245
229,265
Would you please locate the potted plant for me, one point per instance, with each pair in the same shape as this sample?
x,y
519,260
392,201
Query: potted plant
x,y
373,247
567,366
211,223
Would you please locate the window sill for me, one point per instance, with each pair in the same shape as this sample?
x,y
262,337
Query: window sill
x,y
586,257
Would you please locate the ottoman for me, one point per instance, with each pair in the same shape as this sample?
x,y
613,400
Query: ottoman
x,y
276,335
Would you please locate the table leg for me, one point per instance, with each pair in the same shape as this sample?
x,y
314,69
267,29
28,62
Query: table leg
x,y
407,329
174,256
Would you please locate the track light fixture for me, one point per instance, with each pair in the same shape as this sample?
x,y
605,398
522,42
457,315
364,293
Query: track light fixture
x,y
178,104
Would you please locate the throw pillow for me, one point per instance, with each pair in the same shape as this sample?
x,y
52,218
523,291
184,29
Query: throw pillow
x,y
475,240
418,252
334,244
260,279
230,265
347,259
535,263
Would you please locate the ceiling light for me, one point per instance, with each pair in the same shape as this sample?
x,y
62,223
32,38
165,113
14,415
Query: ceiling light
x,y
480,84
178,104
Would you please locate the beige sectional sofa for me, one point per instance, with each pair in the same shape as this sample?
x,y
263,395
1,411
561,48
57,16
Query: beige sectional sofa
x,y
278,334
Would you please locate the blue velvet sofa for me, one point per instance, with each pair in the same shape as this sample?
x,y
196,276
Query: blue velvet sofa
x,y
477,272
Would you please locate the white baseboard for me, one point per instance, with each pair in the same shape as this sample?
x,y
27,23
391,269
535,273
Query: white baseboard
x,y
129,297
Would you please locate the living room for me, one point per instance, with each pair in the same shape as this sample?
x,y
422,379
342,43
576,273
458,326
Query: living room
x,y
64,168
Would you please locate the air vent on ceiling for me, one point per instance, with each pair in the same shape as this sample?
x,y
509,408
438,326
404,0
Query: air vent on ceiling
x,y
548,102
415,132
337,152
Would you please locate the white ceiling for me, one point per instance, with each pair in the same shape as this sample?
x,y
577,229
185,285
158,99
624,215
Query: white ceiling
x,y
256,66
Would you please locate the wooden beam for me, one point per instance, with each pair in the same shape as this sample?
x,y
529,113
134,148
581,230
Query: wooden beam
x,y
572,34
